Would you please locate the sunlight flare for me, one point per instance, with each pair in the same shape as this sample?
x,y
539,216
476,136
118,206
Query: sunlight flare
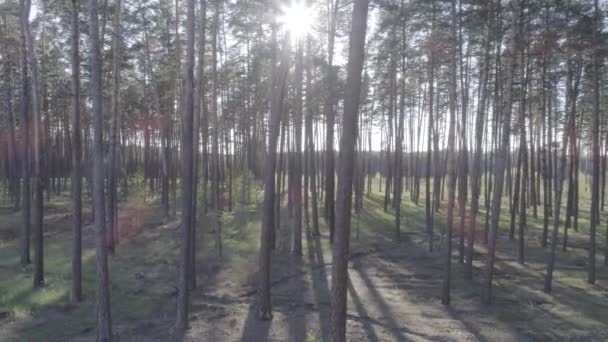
x,y
296,18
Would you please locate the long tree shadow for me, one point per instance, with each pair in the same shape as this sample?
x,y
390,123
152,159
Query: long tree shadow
x,y
387,313
254,329
363,315
320,285
296,317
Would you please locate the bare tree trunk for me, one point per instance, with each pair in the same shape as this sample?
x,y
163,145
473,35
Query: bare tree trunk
x,y
330,120
595,146
571,86
547,142
32,64
524,157
451,163
181,321
346,165
503,149
104,322
76,289
215,159
279,87
310,144
464,153
428,205
26,158
296,242
479,132
400,131
13,173
112,176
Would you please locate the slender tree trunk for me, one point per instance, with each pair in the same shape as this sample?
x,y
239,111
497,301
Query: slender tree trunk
x,y
428,205
32,64
479,133
595,146
569,127
296,242
104,322
524,158
181,321
451,163
503,150
279,87
346,162
330,121
26,158
76,289
400,131
310,143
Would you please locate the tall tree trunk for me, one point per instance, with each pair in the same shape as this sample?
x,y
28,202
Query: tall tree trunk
x,y
595,146
76,289
451,163
346,165
503,149
310,143
524,158
13,173
181,321
30,52
479,133
568,132
215,159
104,322
546,117
428,205
330,182
112,177
296,242
464,153
279,87
400,130
26,158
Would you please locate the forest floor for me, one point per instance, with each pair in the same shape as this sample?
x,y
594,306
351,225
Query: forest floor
x,y
394,290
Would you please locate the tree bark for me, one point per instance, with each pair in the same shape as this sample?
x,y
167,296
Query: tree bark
x,y
346,165
181,321
32,64
451,163
104,322
595,146
279,87
76,289
479,133
503,150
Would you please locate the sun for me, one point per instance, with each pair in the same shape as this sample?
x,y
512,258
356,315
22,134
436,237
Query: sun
x,y
296,19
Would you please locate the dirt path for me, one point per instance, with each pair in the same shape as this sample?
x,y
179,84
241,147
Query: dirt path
x,y
388,301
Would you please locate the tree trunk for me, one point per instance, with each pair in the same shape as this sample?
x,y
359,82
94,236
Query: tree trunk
x,y
330,182
479,133
30,52
346,164
26,158
279,87
296,242
595,146
104,323
451,163
181,321
503,150
76,289
310,143
569,123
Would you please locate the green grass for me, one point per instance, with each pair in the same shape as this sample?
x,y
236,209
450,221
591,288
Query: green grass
x,y
148,261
